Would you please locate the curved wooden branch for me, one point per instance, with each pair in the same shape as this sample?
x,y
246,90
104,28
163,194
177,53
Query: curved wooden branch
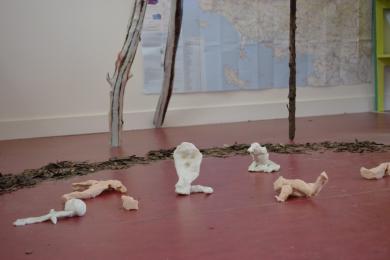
x,y
122,69
169,61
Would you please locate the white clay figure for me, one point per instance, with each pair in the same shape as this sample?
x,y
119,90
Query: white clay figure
x,y
261,161
298,188
73,207
187,163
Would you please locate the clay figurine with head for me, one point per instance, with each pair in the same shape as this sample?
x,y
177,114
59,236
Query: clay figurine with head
x,y
261,161
91,189
298,188
187,163
377,172
73,207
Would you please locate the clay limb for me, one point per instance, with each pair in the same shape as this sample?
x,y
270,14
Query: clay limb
x,y
91,189
187,163
285,191
73,207
129,203
377,172
299,188
261,161
200,188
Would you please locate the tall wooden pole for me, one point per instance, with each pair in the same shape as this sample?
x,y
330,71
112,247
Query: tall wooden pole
x,y
122,70
169,61
293,71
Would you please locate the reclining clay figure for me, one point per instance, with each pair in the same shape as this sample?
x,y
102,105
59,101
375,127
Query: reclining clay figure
x,y
91,189
378,172
298,188
73,207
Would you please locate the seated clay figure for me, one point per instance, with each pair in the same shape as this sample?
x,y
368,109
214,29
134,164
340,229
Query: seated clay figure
x,y
378,172
261,161
91,189
187,163
298,188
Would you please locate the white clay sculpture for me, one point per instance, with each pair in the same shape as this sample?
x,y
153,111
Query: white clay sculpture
x,y
91,189
298,188
378,172
73,207
187,163
261,161
129,203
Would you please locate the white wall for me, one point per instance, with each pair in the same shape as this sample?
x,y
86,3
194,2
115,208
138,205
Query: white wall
x,y
54,56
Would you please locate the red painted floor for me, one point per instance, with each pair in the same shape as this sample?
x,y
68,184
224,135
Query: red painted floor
x,y
241,220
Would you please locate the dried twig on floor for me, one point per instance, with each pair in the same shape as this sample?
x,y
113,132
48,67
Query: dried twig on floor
x,y
65,169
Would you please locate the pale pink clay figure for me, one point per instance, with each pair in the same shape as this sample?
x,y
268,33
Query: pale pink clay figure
x,y
298,188
378,172
91,188
129,203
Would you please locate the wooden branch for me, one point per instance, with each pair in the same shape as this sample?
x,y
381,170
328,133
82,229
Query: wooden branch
x,y
293,72
169,61
122,69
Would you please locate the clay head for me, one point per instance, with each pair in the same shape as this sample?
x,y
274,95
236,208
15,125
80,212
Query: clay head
x,y
77,206
187,161
279,183
256,149
118,186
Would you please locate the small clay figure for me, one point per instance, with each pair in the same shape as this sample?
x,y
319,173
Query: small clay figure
x,y
129,203
187,163
299,188
261,161
378,172
91,189
73,207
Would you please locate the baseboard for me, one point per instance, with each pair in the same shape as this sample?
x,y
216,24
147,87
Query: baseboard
x,y
387,102
97,123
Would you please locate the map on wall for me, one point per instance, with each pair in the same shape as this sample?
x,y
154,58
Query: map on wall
x,y
228,45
